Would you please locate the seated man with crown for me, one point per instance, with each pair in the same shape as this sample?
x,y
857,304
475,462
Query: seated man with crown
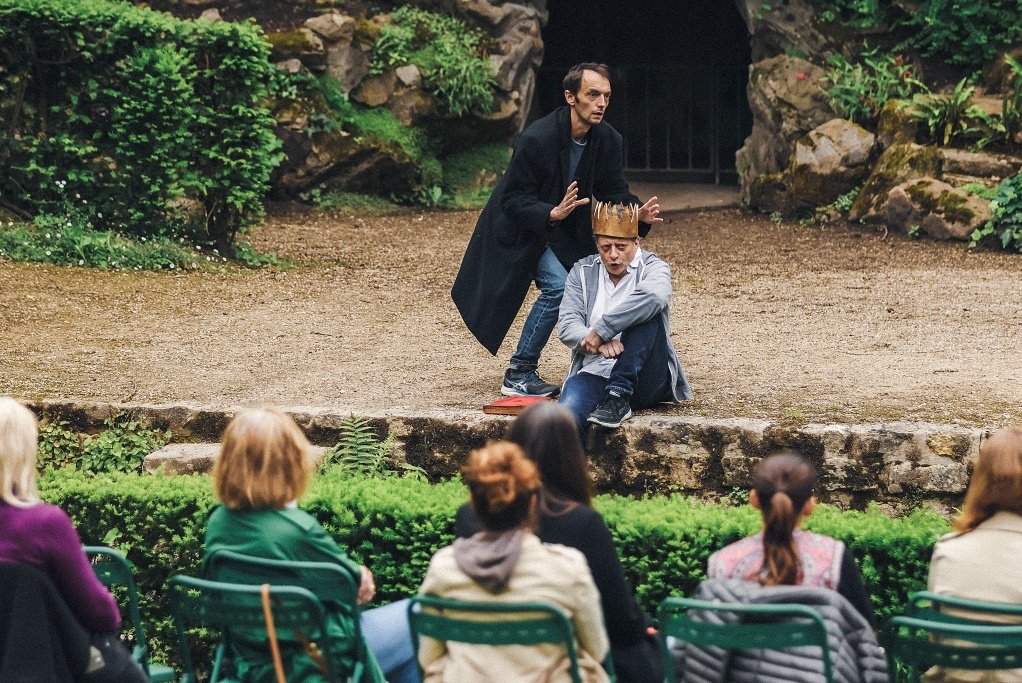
x,y
615,317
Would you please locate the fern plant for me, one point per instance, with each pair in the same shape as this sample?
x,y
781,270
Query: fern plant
x,y
361,453
950,116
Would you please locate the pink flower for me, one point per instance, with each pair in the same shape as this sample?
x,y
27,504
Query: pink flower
x,y
802,75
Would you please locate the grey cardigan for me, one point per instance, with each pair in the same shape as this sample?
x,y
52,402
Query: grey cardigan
x,y
652,296
854,652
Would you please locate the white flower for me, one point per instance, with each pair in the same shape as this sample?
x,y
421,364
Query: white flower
x,y
100,215
47,235
47,252
143,239
81,262
77,196
171,266
58,235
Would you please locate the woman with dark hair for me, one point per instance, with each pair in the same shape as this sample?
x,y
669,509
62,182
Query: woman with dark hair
x,y
548,435
782,554
504,562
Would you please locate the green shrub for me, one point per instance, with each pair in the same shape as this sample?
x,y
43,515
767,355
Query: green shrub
x,y
120,447
58,241
966,34
449,54
359,452
858,89
394,525
949,117
1005,226
134,110
470,175
354,202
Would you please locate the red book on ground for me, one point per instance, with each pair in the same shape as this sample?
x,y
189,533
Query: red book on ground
x,y
511,405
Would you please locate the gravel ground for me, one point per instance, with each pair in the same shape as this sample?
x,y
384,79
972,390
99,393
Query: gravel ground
x,y
775,321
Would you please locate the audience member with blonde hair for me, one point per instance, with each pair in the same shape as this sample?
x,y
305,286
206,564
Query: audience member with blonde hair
x,y
42,536
506,562
982,558
782,553
263,469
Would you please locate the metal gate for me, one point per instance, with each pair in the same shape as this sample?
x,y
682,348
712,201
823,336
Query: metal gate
x,y
680,123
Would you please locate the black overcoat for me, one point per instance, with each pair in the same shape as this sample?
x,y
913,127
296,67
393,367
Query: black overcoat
x,y
513,229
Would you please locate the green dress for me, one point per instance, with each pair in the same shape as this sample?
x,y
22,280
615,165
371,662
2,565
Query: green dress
x,y
288,534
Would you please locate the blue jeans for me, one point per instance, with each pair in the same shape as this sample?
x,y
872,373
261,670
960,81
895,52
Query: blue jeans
x,y
641,374
549,276
387,634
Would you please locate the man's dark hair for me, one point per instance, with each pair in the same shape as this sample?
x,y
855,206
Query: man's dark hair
x,y
573,79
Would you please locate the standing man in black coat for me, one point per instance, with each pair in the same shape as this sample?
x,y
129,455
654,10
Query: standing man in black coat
x,y
533,229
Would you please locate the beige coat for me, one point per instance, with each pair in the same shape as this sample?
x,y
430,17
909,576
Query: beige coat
x,y
548,573
983,564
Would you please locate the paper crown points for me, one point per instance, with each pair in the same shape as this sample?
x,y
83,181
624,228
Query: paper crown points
x,y
615,220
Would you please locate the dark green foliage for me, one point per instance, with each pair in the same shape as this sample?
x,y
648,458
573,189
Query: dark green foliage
x,y
951,116
449,54
394,525
858,89
966,34
136,111
120,447
360,452
1004,229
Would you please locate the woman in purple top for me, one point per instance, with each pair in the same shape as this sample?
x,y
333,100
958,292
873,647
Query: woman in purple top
x,y
42,536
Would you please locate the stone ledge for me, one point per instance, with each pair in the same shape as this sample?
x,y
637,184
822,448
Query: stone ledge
x,y
193,458
899,464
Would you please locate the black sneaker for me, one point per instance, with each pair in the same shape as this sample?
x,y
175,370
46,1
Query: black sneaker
x,y
612,411
527,383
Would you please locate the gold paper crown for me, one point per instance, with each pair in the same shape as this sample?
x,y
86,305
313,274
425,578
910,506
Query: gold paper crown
x,y
615,220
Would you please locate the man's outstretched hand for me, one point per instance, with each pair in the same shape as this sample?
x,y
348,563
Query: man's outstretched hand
x,y
650,212
569,203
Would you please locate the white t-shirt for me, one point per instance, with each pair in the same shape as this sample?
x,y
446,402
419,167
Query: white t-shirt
x,y
609,295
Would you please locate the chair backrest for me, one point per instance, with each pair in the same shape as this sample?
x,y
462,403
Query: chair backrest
x,y
759,627
114,570
233,608
334,586
934,607
490,623
921,643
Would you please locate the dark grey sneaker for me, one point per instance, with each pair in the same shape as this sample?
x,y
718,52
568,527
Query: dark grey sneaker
x,y
527,383
612,411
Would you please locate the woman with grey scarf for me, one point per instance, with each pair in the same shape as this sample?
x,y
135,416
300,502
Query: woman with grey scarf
x,y
506,562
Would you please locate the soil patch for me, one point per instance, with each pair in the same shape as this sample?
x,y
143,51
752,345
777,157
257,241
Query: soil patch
x,y
776,321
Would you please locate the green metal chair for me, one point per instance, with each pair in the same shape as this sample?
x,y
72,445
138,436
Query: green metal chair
x,y
934,607
490,623
114,570
921,643
334,585
984,643
236,611
759,627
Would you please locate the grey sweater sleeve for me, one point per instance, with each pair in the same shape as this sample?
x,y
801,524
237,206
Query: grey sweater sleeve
x,y
572,326
651,296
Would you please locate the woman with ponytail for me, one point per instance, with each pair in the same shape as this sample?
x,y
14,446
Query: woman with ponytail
x,y
506,562
782,554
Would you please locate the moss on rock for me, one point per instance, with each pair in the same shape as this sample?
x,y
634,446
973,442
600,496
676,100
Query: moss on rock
x,y
898,163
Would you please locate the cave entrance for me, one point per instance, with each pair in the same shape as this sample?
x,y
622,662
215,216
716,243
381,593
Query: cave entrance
x,y
680,72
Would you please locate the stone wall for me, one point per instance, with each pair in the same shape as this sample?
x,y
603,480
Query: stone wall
x,y
899,465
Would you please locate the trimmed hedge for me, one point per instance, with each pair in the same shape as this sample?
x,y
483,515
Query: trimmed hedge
x,y
395,525
137,111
